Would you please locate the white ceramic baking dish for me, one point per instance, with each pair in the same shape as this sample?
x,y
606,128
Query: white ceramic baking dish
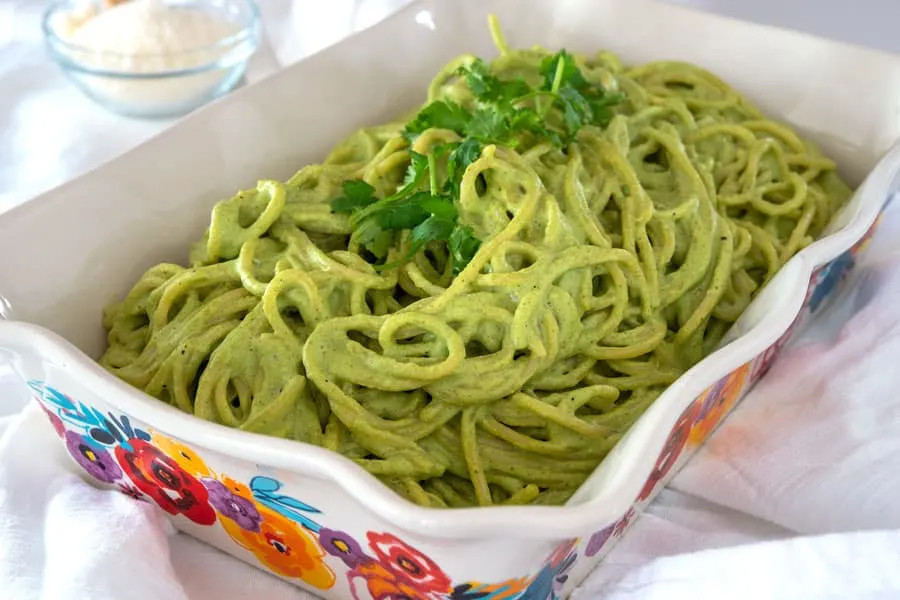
x,y
311,516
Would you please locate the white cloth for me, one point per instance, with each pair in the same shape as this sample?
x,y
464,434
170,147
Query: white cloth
x,y
796,496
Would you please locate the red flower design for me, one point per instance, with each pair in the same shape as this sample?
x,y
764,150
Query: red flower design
x,y
623,523
170,486
561,552
131,491
408,563
672,450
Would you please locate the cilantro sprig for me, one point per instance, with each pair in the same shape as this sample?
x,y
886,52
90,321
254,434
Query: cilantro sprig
x,y
429,215
507,112
510,112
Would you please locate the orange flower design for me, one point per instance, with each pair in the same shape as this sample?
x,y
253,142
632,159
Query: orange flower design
x,y
236,487
284,547
716,403
384,584
186,458
505,590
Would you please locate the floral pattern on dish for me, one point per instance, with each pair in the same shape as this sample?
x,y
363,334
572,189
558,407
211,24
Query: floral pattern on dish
x,y
162,479
279,530
283,547
186,458
671,451
600,538
92,457
716,402
232,505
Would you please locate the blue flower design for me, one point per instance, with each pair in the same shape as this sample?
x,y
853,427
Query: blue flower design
x,y
829,278
106,429
548,583
265,491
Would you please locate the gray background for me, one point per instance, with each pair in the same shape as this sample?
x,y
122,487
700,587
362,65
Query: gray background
x,y
872,23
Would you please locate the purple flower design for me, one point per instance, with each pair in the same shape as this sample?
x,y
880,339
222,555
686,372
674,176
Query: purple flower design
x,y
92,457
598,539
237,508
342,545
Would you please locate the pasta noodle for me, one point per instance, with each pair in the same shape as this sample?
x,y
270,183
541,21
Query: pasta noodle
x,y
607,266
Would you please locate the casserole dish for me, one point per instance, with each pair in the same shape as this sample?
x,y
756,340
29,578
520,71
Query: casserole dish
x,y
314,517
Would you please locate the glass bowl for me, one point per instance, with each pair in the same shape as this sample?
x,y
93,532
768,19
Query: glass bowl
x,y
157,84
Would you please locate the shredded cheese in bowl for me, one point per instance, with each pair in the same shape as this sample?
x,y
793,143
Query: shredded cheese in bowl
x,y
150,36
153,57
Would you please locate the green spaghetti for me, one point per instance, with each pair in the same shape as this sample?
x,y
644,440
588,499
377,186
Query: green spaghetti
x,y
475,303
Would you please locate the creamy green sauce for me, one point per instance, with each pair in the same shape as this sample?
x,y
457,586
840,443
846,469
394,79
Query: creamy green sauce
x,y
604,273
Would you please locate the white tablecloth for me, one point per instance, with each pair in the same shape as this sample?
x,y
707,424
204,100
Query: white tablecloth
x,y
796,496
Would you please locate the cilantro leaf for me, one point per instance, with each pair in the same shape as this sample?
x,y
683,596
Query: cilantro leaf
x,y
415,172
439,206
489,125
408,212
413,211
400,215
463,246
460,158
373,238
434,228
357,194
441,114
582,102
577,111
528,120
600,106
487,87
479,79
570,75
